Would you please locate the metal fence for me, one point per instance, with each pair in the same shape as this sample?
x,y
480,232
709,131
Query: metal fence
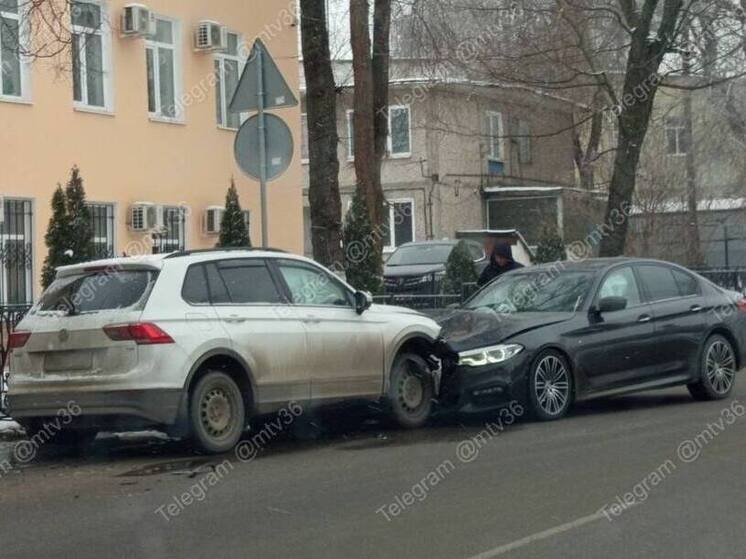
x,y
733,279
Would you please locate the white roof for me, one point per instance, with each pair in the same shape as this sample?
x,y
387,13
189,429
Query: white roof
x,y
680,206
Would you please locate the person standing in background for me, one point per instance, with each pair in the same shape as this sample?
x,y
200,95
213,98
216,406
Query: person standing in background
x,y
501,262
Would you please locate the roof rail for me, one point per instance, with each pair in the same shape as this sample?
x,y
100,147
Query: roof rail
x,y
182,253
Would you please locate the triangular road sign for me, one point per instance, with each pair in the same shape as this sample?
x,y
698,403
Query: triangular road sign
x,y
277,93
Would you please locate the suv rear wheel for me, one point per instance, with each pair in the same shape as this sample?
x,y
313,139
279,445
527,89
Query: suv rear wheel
x,y
411,391
217,413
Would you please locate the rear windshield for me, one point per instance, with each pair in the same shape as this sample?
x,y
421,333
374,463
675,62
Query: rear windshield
x,y
98,291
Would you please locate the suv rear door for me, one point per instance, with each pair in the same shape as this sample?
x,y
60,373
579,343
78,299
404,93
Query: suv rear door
x,y
254,312
67,325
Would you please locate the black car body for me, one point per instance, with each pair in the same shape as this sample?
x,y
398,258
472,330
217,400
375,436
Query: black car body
x,y
609,347
418,268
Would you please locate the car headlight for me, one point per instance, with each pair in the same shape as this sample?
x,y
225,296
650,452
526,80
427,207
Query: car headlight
x,y
488,355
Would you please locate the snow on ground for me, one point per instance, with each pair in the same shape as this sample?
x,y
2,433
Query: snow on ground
x,y
9,429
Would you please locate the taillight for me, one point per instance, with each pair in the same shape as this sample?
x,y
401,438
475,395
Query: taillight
x,y
142,333
17,340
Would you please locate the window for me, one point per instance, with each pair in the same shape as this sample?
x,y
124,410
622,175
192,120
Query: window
x,y
248,282
688,285
400,226
621,283
173,237
525,147
102,217
400,142
304,138
312,286
12,71
228,66
350,135
91,58
100,291
16,253
195,289
678,141
659,283
495,135
161,58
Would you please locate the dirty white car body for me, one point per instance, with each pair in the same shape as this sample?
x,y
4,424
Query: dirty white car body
x,y
129,340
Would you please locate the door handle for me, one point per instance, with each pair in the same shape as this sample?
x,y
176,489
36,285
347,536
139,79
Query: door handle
x,y
234,318
312,320
696,308
645,318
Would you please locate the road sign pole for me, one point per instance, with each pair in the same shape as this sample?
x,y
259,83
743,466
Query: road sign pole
x,y
262,144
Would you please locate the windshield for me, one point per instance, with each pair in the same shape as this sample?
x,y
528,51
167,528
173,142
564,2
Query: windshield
x,y
97,291
414,255
535,292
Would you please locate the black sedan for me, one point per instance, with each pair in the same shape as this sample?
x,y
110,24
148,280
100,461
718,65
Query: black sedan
x,y
552,334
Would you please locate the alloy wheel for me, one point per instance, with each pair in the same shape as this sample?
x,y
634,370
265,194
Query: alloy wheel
x,y
720,367
552,385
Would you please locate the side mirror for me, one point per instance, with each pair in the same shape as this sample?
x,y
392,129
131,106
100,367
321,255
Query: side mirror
x,y
363,301
612,304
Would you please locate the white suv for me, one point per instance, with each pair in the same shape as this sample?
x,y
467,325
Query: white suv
x,y
199,342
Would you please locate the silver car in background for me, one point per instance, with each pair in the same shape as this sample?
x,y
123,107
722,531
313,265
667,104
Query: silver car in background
x,y
198,343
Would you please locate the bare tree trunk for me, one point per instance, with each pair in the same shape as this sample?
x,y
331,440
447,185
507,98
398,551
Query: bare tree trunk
x,y
694,252
585,157
321,109
369,71
641,83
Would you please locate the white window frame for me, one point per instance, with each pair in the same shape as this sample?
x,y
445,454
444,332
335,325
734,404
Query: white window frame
x,y
25,66
350,135
304,139
390,139
104,32
392,226
153,45
496,137
220,58
680,131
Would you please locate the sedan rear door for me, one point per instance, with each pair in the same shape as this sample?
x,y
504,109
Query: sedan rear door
x,y
679,317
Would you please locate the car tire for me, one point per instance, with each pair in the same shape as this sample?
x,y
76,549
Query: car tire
x,y
550,386
717,370
217,413
411,391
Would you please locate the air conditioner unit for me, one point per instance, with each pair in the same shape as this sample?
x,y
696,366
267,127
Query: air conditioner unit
x,y
137,21
212,220
146,216
210,36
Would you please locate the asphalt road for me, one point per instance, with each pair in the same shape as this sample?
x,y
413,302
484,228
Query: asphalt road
x,y
362,489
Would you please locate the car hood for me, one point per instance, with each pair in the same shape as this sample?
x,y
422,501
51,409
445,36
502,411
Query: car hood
x,y
470,329
376,308
412,270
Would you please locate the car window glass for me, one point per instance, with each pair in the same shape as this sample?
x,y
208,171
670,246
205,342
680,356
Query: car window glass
x,y
98,291
248,282
311,286
659,282
195,286
218,290
621,283
687,284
